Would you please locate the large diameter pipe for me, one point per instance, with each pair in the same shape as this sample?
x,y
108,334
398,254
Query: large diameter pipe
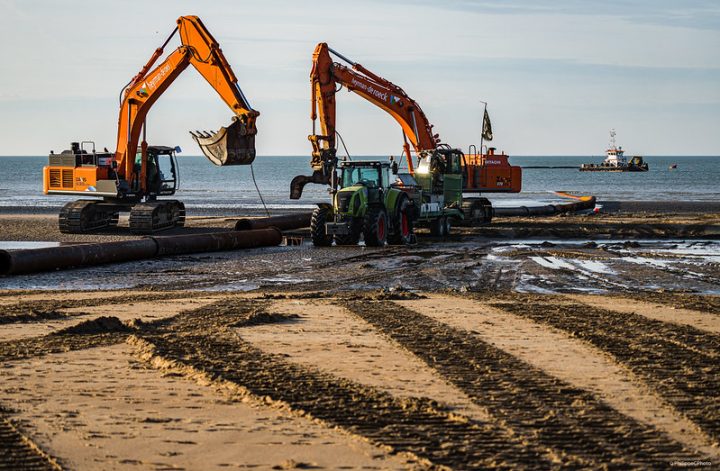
x,y
547,210
217,241
284,223
17,262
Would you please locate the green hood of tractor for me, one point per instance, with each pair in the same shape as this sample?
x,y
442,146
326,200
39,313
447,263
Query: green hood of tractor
x,y
351,200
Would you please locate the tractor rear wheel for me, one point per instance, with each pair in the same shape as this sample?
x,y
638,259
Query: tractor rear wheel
x,y
375,227
317,228
403,231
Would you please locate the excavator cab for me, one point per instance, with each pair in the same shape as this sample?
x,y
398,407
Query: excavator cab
x,y
162,170
161,173
232,145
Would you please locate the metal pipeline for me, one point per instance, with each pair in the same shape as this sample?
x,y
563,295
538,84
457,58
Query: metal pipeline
x,y
217,241
17,262
284,223
582,203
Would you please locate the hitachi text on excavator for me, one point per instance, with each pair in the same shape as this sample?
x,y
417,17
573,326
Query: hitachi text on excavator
x,y
136,174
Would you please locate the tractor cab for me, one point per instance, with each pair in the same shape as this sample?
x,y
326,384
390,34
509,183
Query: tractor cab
x,y
439,173
372,175
364,204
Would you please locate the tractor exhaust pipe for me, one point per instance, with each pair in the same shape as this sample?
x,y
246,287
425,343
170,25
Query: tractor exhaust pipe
x,y
55,258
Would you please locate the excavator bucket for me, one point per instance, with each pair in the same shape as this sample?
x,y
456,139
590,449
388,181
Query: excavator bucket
x,y
298,183
231,145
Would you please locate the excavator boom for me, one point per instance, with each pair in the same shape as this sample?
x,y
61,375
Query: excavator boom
x,y
327,74
325,77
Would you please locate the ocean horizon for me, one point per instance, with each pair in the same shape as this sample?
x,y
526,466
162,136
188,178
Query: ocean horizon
x,y
205,186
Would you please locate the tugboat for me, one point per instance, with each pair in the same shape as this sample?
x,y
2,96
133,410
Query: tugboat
x,y
615,161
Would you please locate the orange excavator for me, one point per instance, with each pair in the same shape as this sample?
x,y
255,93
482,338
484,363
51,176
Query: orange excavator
x,y
481,172
132,177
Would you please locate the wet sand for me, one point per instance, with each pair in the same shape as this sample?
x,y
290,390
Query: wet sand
x,y
576,341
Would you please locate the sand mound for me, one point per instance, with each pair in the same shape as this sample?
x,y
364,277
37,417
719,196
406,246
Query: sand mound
x,y
263,317
100,325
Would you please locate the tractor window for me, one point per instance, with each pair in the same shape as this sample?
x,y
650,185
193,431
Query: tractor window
x,y
369,176
454,166
385,172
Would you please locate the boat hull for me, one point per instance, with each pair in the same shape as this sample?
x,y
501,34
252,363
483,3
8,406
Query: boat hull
x,y
599,168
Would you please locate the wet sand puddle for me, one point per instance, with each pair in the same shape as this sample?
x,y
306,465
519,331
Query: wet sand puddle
x,y
596,267
473,263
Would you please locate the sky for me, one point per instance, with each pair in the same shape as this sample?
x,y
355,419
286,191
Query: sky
x,y
557,75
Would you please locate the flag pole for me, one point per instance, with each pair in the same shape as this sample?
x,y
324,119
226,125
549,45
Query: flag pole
x,y
482,127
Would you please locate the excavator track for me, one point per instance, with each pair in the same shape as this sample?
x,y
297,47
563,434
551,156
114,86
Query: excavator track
x,y
155,216
82,216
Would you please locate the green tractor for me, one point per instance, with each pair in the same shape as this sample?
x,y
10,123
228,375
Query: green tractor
x,y
365,204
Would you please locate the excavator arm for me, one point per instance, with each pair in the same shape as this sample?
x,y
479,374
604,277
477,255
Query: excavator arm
x,y
234,145
327,77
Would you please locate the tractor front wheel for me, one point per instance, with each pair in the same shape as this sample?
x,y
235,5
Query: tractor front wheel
x,y
317,228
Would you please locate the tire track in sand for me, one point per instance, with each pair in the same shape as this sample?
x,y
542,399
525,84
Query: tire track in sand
x,y
569,359
39,310
682,363
659,312
544,411
57,343
326,336
146,311
205,341
115,413
18,452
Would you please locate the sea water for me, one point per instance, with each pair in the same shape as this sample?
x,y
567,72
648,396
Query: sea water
x,y
205,188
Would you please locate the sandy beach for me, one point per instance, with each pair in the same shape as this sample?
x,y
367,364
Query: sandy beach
x,y
586,341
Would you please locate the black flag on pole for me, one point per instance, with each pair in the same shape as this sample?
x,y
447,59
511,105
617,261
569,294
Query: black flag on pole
x,y
487,127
